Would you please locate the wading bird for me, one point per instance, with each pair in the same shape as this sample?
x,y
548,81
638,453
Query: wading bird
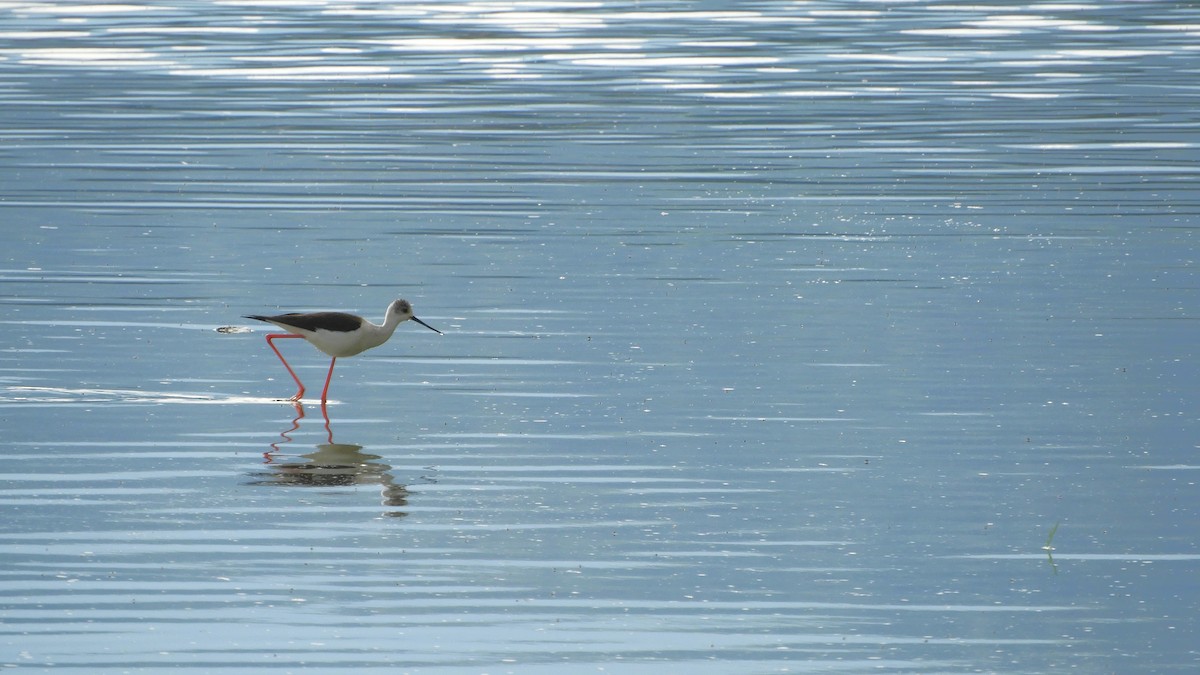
x,y
337,334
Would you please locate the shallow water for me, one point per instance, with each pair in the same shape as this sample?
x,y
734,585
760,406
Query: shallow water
x,y
779,337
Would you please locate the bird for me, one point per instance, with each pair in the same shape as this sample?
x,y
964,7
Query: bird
x,y
337,334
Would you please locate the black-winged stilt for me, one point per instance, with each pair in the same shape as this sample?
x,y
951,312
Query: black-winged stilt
x,y
337,334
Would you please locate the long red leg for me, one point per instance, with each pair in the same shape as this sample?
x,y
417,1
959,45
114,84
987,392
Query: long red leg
x,y
271,343
328,378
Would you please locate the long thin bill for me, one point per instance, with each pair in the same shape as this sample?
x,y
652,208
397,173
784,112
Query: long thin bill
x,y
428,326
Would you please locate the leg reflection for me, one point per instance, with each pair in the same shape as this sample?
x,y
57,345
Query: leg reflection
x,y
286,434
331,465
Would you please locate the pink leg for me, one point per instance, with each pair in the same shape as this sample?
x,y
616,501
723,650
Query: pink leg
x,y
271,343
328,378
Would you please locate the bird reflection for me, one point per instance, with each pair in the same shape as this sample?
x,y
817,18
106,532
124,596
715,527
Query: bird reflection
x,y
331,465
269,456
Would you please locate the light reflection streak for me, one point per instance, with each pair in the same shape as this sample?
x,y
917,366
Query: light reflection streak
x,y
717,55
92,9
33,395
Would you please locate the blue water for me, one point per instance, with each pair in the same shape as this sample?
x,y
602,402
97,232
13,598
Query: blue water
x,y
780,337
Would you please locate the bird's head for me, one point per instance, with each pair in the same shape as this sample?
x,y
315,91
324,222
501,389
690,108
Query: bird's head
x,y
403,311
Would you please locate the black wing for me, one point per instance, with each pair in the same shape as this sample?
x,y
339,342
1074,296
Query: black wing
x,y
338,322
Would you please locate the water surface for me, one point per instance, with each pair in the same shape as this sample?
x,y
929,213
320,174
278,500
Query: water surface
x,y
779,337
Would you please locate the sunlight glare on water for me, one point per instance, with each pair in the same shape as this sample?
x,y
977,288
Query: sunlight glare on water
x,y
780,337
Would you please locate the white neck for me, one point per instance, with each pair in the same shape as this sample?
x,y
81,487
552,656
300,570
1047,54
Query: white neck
x,y
375,334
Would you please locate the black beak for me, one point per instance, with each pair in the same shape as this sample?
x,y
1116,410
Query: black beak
x,y
428,326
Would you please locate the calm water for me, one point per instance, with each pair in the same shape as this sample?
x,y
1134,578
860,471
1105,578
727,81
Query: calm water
x,y
780,337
